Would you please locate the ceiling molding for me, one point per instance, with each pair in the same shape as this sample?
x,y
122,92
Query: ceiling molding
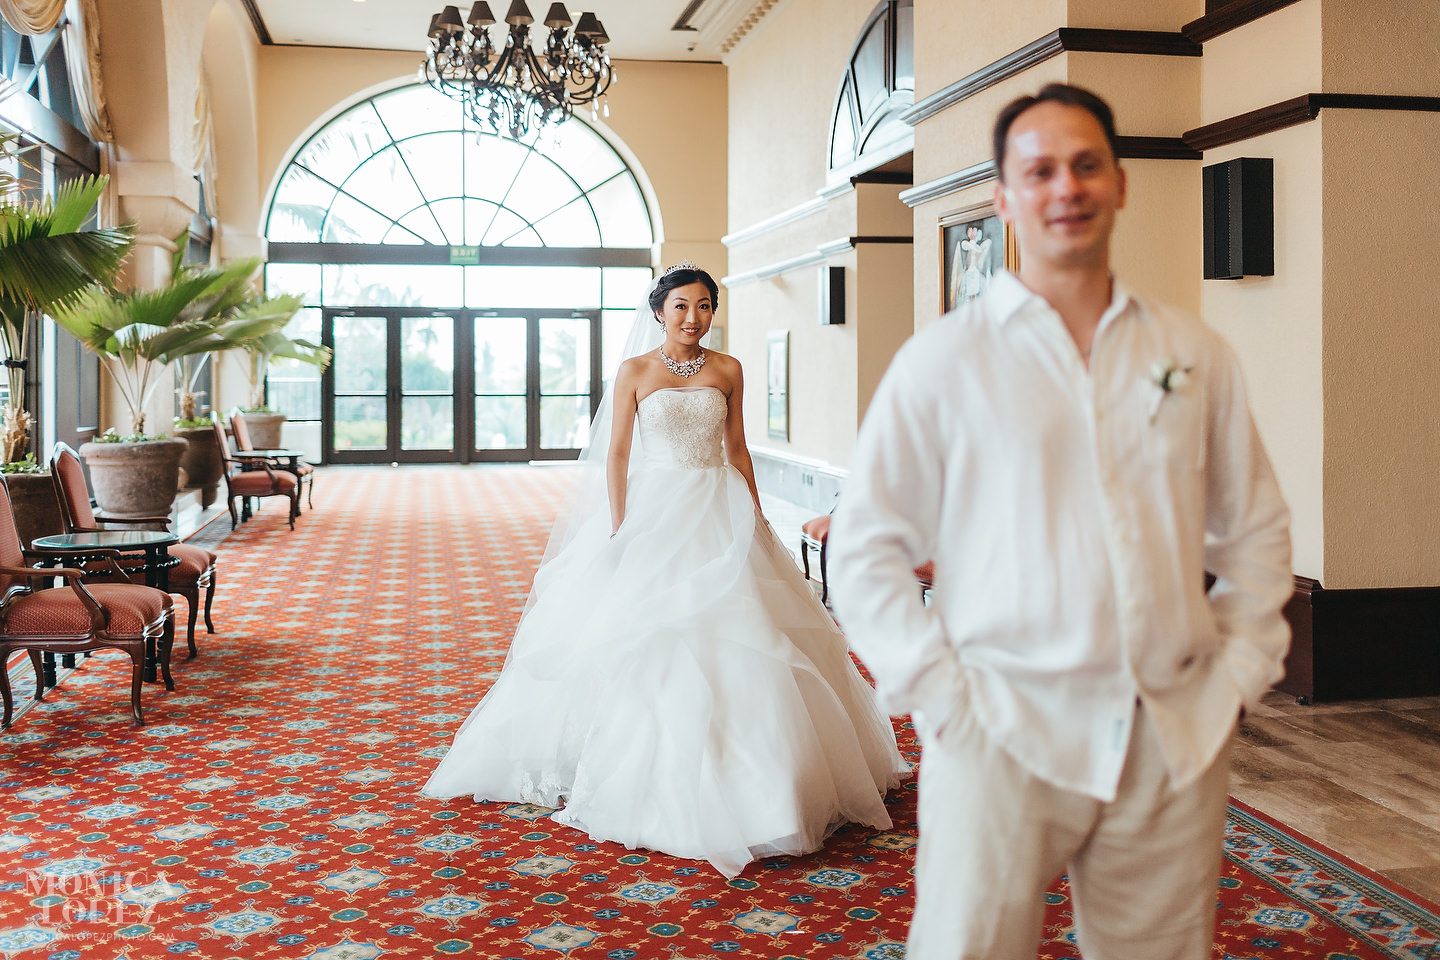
x,y
1301,109
1232,15
724,23
1054,43
262,32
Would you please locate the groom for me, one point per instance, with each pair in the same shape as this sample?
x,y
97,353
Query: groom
x,y
1074,458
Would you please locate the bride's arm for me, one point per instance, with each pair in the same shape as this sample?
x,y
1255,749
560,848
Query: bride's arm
x,y
617,461
735,449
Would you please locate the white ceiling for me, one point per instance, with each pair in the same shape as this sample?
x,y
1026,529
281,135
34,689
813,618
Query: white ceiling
x,y
638,29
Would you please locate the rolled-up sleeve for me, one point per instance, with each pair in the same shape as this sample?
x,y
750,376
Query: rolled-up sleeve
x,y
884,527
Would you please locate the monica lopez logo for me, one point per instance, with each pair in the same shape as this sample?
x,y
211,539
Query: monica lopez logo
x,y
88,891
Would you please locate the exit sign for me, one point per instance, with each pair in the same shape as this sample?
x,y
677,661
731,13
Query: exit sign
x,y
465,256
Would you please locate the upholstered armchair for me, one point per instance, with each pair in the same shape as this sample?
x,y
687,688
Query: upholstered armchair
x,y
194,572
254,477
304,472
77,617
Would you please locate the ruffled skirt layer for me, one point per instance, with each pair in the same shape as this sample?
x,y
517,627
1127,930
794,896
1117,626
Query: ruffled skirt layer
x,y
679,688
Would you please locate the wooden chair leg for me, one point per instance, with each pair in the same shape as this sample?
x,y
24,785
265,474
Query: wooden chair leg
x,y
192,600
5,691
310,494
167,640
234,517
37,663
137,681
824,574
805,557
210,599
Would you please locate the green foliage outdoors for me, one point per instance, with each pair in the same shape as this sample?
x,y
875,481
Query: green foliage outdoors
x,y
193,423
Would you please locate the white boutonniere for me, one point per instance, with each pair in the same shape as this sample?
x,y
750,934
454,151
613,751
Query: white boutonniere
x,y
1167,378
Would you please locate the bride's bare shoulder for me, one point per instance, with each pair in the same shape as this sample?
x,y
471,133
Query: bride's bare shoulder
x,y
725,363
638,366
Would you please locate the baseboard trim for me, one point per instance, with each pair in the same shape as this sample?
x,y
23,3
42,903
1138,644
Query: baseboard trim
x,y
1362,644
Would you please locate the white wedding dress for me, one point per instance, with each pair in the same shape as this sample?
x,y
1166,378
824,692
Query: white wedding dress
x,y
678,687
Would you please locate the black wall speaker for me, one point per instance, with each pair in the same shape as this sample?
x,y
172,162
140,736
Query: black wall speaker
x,y
1240,219
832,295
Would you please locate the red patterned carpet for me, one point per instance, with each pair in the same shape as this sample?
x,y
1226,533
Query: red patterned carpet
x,y
271,807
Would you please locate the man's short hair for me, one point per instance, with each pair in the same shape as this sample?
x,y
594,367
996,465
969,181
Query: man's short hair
x,y
1062,93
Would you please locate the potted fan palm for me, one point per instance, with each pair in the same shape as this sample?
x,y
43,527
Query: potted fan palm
x,y
263,345
48,255
138,335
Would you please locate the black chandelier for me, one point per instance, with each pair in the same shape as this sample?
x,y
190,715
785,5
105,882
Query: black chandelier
x,y
516,89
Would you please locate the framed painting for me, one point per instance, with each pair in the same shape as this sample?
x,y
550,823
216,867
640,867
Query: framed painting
x,y
974,246
777,384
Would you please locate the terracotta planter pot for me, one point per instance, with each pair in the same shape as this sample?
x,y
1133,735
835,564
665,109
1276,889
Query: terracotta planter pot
x,y
264,428
134,479
37,511
201,461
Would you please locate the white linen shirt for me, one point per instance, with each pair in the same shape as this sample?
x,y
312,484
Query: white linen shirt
x,y
1072,515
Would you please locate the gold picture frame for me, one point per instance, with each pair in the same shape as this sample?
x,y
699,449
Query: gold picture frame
x,y
975,244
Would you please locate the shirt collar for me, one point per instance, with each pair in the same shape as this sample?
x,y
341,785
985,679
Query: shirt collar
x,y
1007,296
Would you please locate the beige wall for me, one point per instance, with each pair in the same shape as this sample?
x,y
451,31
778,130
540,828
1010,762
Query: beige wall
x,y
1337,346
778,161
1381,355
1276,325
154,56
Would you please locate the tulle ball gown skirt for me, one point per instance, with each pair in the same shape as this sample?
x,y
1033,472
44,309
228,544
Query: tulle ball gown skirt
x,y
679,688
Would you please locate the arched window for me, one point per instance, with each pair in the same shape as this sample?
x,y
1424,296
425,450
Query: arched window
x,y
407,167
879,83
473,286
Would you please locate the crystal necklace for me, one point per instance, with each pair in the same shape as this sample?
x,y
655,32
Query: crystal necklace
x,y
684,368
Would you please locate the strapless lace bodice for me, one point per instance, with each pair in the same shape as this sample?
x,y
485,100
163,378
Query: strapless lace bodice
x,y
683,427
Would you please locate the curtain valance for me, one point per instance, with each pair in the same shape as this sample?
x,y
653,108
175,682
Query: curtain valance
x,y
82,59
32,16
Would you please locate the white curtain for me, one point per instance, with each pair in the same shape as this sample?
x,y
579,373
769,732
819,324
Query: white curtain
x,y
82,57
205,161
32,16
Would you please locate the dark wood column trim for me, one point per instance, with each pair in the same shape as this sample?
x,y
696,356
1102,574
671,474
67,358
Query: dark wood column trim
x,y
258,22
1131,148
1076,39
1362,644
1156,148
1231,15
1299,109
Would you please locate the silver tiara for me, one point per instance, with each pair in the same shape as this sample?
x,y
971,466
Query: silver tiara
x,y
682,265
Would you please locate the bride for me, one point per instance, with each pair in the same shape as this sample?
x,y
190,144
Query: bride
x,y
673,683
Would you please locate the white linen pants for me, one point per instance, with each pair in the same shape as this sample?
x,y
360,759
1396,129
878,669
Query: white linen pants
x,y
1143,868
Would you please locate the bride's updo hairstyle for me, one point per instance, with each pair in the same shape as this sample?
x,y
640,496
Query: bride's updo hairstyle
x,y
682,274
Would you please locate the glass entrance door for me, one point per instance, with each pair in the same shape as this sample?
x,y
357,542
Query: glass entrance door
x,y
389,395
536,376
413,386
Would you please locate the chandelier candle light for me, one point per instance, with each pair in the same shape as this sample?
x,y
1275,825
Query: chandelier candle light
x,y
515,89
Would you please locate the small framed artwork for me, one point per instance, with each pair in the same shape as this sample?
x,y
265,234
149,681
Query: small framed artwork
x,y
777,384
974,246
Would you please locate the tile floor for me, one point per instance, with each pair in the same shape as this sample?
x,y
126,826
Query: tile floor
x,y
1361,777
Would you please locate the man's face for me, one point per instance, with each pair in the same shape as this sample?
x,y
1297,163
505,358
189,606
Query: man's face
x,y
1061,187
